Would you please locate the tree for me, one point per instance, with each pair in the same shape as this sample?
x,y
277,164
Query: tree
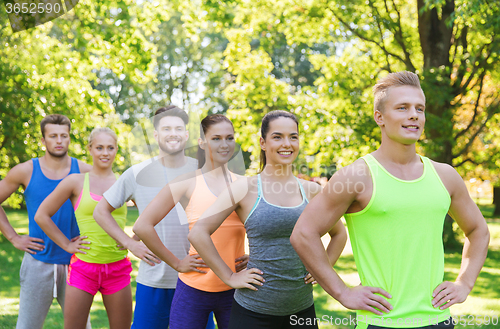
x,y
187,71
52,69
452,44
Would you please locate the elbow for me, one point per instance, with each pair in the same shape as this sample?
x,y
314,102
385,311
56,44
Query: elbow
x,y
38,218
480,234
297,237
97,213
192,235
141,228
343,236
486,236
137,230
196,234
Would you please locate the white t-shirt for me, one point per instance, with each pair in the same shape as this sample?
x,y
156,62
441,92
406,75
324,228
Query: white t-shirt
x,y
141,183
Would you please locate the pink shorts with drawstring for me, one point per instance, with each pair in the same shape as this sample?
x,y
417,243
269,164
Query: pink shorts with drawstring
x,y
92,277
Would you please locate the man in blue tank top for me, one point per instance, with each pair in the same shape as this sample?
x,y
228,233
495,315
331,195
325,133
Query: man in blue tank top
x,y
43,272
394,203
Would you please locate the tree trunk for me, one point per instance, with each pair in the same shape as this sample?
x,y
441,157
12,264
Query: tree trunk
x,y
435,33
496,200
436,39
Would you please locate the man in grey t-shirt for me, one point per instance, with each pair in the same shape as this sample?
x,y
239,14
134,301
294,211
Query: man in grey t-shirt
x,y
141,183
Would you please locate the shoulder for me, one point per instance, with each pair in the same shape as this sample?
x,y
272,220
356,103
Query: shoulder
x,y
189,177
310,188
71,184
192,162
20,172
242,181
73,179
243,184
244,190
448,175
23,168
443,168
356,171
348,180
128,172
84,167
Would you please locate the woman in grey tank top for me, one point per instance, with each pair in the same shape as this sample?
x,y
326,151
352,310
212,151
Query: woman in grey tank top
x,y
276,289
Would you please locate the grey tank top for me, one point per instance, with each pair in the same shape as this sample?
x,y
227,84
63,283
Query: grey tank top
x,y
268,229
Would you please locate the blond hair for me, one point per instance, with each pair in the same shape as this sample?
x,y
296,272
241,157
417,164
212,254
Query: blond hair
x,y
99,130
396,79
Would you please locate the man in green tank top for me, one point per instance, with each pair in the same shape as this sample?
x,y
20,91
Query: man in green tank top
x,y
395,202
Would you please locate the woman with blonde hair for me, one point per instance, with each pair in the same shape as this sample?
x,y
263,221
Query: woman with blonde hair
x,y
97,264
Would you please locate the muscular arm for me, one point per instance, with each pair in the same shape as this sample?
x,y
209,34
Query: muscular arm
x,y
50,206
322,215
469,218
337,233
16,177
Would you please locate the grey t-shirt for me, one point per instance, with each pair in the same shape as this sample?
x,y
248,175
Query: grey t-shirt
x,y
141,183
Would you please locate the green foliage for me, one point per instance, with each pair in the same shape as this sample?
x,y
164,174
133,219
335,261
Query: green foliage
x,y
453,45
316,58
52,69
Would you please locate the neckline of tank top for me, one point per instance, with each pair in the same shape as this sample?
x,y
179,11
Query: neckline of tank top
x,y
50,179
302,194
399,179
87,177
208,187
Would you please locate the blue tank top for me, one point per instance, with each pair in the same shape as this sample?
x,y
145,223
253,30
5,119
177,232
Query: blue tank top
x,y
268,229
38,189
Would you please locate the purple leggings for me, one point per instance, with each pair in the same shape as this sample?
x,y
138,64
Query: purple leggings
x,y
191,307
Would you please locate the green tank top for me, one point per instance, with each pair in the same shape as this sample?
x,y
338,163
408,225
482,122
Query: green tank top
x,y
398,246
103,249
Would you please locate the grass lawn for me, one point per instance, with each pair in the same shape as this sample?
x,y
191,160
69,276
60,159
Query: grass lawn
x,y
483,302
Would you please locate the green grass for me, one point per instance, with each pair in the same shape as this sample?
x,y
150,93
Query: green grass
x,y
484,299
10,260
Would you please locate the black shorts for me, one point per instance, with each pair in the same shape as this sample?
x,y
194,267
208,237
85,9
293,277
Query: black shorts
x,y
241,318
447,324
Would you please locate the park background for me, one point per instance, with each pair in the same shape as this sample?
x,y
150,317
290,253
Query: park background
x,y
107,63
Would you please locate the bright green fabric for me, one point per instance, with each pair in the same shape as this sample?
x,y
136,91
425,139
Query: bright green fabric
x,y
397,244
103,248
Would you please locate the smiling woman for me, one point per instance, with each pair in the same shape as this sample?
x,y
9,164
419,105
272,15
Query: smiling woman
x,y
97,264
276,287
199,291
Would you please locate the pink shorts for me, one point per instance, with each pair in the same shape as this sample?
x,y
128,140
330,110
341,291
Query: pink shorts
x,y
92,277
